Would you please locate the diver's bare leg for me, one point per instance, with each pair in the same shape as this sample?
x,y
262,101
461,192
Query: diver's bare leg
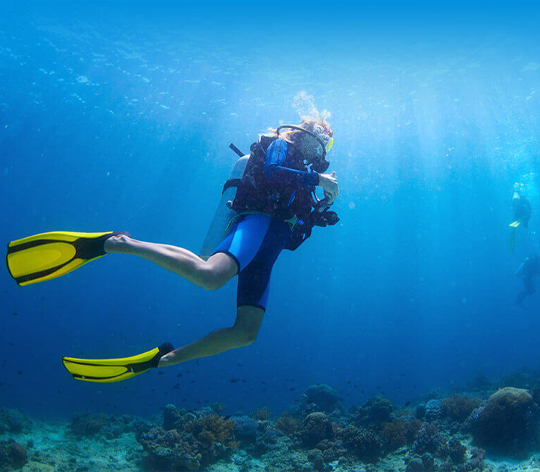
x,y
243,333
211,274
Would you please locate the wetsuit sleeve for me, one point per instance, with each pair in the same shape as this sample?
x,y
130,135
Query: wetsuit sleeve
x,y
276,172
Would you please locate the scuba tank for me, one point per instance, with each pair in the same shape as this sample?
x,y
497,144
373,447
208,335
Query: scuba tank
x,y
224,213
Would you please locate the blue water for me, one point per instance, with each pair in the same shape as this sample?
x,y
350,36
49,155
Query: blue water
x,y
119,118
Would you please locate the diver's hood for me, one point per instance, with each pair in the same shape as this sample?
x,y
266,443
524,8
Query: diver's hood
x,y
319,163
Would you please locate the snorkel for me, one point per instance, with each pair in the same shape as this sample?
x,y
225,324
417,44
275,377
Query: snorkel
x,y
318,164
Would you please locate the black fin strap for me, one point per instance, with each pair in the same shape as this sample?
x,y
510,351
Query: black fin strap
x,y
165,348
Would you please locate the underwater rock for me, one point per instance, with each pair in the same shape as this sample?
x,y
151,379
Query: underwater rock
x,y
428,460
322,397
415,465
88,424
12,455
315,427
507,422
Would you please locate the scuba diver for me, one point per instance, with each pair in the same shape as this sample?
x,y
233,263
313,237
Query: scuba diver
x,y
521,207
522,210
275,207
528,270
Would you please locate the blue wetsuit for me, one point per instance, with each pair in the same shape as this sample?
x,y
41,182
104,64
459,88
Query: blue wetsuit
x,y
255,241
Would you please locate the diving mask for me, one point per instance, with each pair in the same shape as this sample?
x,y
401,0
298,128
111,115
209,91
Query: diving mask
x,y
325,136
319,163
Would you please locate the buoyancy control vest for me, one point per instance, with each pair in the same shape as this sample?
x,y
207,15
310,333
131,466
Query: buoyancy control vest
x,y
281,201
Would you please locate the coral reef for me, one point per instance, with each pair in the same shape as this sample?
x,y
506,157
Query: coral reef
x,y
202,440
12,421
88,424
171,450
398,433
321,397
12,455
287,423
374,412
458,407
376,436
315,428
365,445
262,414
507,423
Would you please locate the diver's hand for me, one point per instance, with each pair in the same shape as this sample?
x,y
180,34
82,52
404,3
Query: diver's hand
x,y
330,186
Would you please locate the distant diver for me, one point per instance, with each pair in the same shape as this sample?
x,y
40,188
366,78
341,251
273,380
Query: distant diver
x,y
522,210
269,204
528,270
521,207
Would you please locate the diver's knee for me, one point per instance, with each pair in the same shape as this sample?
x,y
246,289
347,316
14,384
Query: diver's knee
x,y
209,280
246,338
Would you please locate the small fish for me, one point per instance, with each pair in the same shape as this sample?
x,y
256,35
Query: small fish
x,y
233,381
407,403
161,373
179,375
239,365
177,386
292,389
15,313
19,372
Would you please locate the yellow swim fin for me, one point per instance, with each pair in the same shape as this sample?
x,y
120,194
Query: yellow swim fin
x,y
515,224
46,256
114,370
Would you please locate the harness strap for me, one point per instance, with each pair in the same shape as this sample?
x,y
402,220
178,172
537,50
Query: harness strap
x,y
292,222
230,183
